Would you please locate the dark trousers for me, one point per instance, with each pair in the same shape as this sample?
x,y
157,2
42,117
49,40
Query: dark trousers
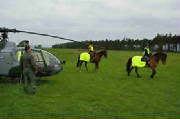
x,y
91,55
29,80
145,58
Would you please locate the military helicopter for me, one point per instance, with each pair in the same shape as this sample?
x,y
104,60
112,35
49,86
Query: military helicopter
x,y
10,56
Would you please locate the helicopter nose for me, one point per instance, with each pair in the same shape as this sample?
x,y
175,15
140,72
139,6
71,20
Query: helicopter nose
x,y
57,67
54,69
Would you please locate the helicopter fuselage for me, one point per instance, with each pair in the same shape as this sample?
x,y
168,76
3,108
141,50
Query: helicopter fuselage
x,y
10,55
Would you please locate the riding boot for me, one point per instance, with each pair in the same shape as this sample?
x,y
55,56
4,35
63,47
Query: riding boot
x,y
147,64
91,59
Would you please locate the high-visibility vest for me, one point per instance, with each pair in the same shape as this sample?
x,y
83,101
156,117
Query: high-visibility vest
x,y
91,48
19,55
148,51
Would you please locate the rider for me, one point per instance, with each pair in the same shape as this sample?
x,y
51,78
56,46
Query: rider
x,y
91,50
146,55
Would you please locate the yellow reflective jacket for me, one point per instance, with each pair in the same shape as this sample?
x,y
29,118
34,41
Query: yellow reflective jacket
x,y
148,51
91,49
19,55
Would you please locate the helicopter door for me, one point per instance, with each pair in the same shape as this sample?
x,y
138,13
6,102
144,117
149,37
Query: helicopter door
x,y
38,58
6,63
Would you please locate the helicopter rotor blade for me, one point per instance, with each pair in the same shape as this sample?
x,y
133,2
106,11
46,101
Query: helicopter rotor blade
x,y
6,30
14,31
47,35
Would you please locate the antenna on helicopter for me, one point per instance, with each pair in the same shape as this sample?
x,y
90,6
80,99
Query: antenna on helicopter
x,y
4,35
3,38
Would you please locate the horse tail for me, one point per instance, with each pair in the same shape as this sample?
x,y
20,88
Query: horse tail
x,y
128,65
78,62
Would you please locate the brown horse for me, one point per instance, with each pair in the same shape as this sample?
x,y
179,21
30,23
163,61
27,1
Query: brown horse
x,y
154,60
96,59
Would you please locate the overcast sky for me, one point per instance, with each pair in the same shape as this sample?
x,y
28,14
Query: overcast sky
x,y
89,19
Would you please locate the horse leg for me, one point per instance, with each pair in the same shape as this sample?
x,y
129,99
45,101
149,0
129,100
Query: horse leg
x,y
129,66
130,71
80,64
136,70
153,72
77,65
86,66
96,66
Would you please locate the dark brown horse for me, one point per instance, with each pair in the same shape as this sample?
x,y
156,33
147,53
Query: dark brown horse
x,y
96,59
154,60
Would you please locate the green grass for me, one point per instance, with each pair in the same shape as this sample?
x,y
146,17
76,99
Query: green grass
x,y
108,93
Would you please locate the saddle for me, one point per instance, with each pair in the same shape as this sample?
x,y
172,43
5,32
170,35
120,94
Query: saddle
x,y
146,59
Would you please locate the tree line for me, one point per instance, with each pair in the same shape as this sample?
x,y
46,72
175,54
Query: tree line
x,y
160,42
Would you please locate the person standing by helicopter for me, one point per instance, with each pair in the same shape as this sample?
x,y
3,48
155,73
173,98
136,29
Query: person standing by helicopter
x,y
25,43
29,69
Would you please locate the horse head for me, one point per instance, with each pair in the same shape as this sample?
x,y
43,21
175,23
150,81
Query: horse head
x,y
104,52
161,56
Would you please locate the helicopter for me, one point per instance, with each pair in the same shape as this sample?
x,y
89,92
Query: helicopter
x,y
10,57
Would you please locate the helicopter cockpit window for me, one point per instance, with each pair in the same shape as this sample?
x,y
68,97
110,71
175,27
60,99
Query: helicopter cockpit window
x,y
38,58
50,59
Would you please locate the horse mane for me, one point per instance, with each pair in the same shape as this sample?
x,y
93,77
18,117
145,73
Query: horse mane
x,y
103,51
159,54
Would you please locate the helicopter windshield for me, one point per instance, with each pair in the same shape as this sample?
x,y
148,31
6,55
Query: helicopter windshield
x,y
50,59
38,58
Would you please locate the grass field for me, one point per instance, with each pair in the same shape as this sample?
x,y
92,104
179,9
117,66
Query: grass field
x,y
108,93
